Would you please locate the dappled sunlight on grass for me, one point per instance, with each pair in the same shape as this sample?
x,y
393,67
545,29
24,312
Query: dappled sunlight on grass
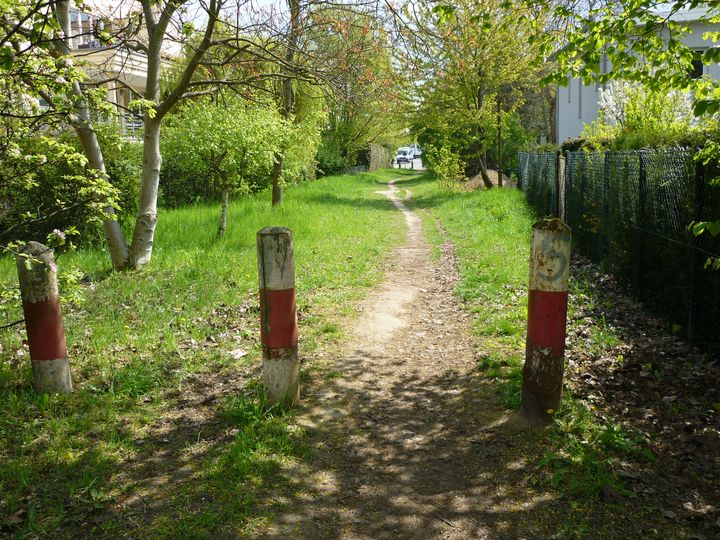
x,y
150,349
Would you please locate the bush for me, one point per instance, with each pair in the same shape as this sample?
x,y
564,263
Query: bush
x,y
448,168
329,160
62,175
632,116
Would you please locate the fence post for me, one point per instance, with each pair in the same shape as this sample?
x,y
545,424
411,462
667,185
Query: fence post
x,y
606,206
559,184
37,274
278,315
642,201
547,317
699,178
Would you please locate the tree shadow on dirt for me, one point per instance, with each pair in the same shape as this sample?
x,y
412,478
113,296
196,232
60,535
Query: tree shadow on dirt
x,y
438,460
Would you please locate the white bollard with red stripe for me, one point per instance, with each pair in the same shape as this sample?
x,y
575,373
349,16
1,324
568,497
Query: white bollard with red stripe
x,y
278,315
547,318
37,274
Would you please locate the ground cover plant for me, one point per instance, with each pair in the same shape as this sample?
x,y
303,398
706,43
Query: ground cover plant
x,y
607,458
165,432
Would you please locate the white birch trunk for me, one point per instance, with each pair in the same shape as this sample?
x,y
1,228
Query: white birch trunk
x,y
117,245
144,233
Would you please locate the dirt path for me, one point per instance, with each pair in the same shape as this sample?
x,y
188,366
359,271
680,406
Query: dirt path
x,y
399,436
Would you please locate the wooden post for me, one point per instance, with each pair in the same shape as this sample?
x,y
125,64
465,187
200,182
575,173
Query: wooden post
x,y
641,225
547,316
278,317
37,274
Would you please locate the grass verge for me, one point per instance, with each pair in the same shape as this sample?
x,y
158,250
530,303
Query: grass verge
x,y
578,456
165,433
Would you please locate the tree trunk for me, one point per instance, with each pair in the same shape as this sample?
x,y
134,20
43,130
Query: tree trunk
x,y
288,98
117,245
485,176
277,171
142,242
223,211
498,159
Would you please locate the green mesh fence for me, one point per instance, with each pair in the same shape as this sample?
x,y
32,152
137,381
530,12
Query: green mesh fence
x,y
629,212
537,178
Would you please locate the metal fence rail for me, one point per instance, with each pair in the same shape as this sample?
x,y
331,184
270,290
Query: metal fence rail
x,y
630,211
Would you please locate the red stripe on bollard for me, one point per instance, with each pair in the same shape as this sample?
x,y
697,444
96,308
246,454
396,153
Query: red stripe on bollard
x,y
278,326
46,336
547,316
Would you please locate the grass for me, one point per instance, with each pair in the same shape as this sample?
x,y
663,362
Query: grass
x,y
491,233
138,343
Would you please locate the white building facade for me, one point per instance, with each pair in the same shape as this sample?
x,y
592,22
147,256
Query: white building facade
x,y
578,104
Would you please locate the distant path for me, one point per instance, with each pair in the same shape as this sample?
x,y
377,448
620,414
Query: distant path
x,y
398,437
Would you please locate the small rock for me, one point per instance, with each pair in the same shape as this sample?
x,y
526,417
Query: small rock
x,y
237,354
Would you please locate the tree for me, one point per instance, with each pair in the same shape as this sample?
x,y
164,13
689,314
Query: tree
x,y
374,103
29,142
229,141
475,57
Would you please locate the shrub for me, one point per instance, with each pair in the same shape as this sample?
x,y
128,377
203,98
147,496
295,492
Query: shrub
x,y
61,174
448,168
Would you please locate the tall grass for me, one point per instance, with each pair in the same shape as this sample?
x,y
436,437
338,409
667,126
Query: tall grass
x,y
136,337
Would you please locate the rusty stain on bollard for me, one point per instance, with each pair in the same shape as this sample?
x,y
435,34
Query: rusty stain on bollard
x,y
547,317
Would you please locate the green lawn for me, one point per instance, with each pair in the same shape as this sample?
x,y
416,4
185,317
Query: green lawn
x,y
139,341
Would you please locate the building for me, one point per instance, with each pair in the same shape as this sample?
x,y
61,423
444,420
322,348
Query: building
x,y
577,104
120,70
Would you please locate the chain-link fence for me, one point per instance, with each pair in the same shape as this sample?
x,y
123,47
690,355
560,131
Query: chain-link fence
x,y
629,212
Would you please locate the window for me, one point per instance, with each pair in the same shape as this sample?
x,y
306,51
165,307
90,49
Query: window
x,y
82,29
697,69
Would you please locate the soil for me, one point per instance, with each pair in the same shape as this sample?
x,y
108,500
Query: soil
x,y
400,438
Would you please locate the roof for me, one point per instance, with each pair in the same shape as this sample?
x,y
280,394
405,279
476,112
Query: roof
x,y
686,15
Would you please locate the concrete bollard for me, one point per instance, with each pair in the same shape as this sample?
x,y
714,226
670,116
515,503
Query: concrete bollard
x,y
547,318
278,315
43,319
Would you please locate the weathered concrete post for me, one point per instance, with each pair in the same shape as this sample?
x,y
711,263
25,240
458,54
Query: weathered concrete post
x,y
43,320
547,317
278,317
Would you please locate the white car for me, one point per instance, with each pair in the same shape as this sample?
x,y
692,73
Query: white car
x,y
404,155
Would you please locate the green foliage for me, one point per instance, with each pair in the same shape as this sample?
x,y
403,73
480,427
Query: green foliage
x,y
370,103
210,145
586,451
329,159
632,116
303,134
476,65
447,167
44,179
47,185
